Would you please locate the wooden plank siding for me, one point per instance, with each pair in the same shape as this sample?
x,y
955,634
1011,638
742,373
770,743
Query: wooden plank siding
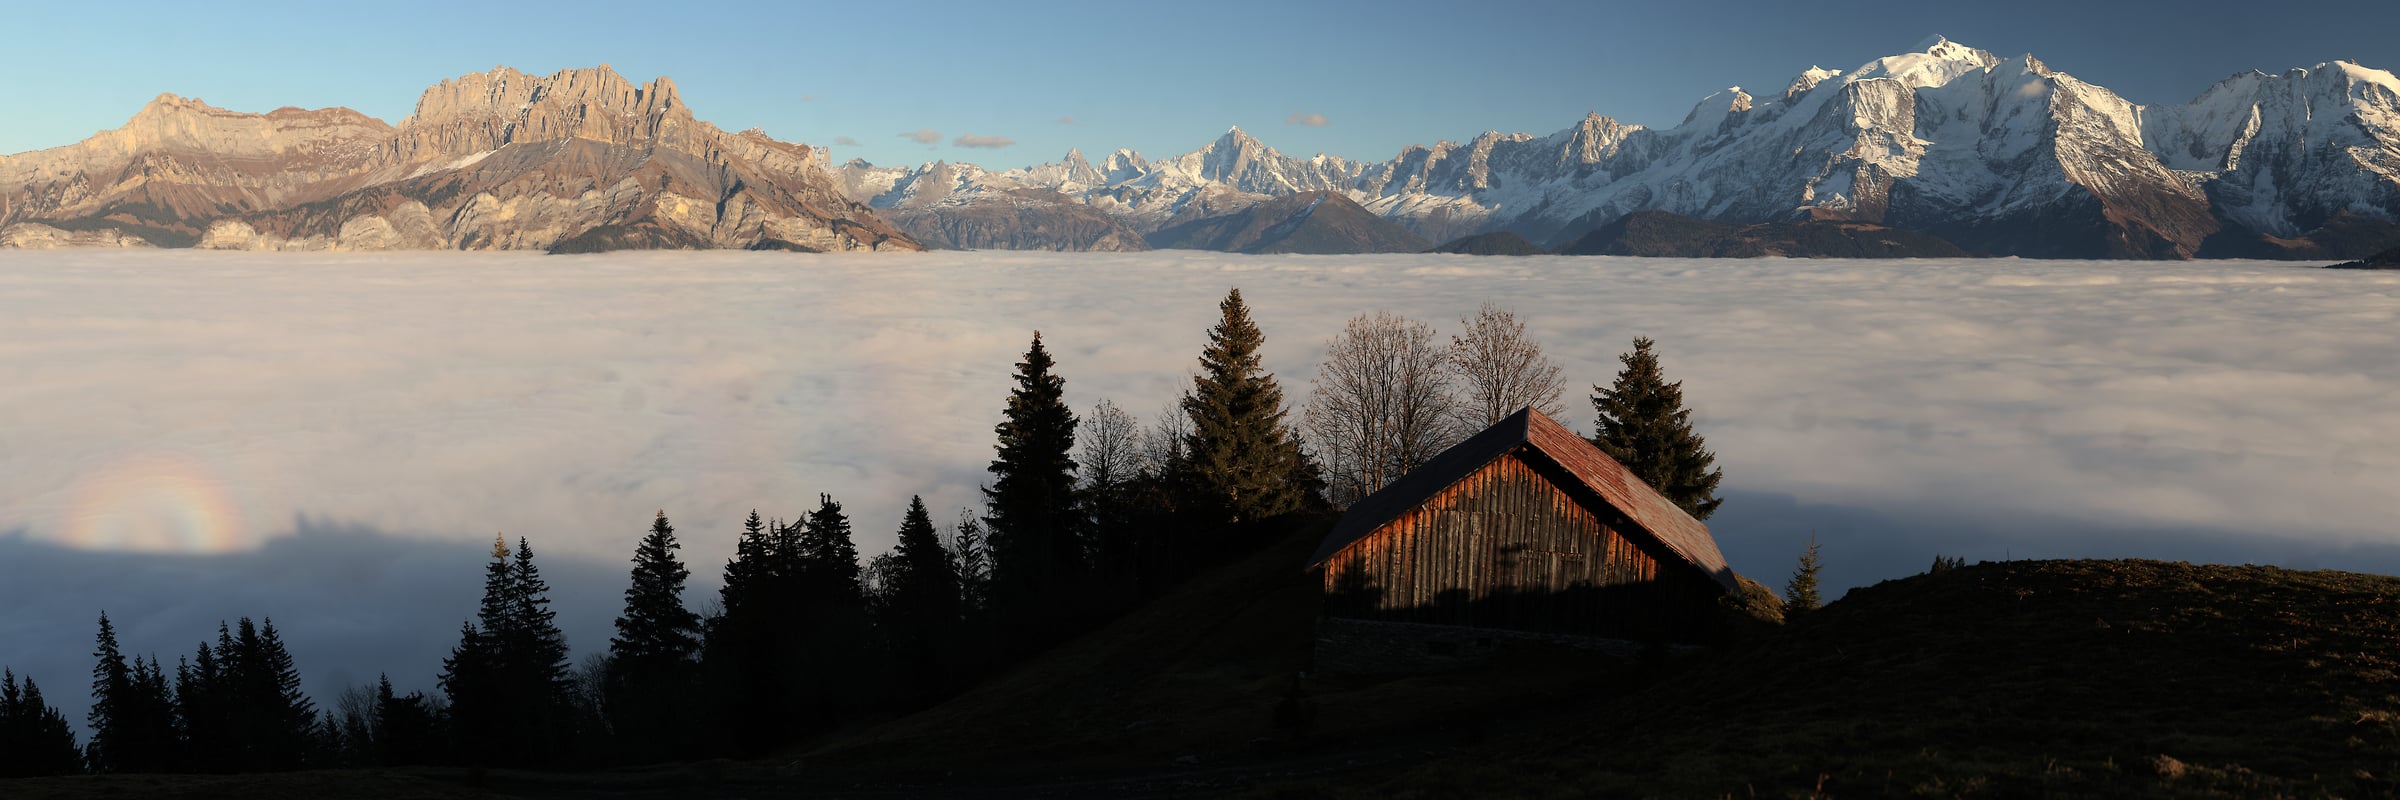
x,y
1507,547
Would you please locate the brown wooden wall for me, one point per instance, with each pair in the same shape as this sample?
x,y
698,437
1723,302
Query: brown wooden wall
x,y
1507,548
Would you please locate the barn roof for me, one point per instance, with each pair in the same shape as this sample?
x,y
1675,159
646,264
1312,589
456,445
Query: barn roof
x,y
1533,432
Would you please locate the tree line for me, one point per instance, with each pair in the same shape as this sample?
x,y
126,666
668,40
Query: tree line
x,y
1084,518
803,636
1389,396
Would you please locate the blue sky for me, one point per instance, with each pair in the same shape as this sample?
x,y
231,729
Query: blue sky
x,y
1159,78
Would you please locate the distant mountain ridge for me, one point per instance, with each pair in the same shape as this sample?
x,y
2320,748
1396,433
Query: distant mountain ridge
x,y
2002,156
494,160
1948,143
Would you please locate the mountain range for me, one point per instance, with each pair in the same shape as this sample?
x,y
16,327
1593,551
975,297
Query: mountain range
x,y
1940,150
2000,156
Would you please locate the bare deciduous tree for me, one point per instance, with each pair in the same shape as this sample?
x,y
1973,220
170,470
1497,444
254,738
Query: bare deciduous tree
x,y
1381,405
1162,444
1500,370
1110,450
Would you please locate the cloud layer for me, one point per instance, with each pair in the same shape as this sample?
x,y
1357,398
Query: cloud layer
x,y
200,402
1310,120
923,136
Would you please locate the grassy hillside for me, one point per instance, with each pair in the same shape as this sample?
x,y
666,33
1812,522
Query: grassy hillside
x,y
2061,678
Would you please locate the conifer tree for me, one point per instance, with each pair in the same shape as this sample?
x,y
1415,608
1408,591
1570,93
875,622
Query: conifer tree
x,y
653,658
112,715
830,557
203,708
1800,596
927,586
1644,425
34,737
974,557
656,629
406,728
287,718
743,574
508,681
746,685
1032,514
1240,450
922,610
151,720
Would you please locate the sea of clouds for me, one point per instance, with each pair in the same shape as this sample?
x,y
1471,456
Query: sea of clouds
x,y
332,440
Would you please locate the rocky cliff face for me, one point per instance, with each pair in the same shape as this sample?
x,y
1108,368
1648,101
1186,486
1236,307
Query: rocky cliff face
x,y
496,160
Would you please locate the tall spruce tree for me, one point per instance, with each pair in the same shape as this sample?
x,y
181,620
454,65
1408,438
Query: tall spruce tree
x,y
746,685
1241,454
652,661
922,611
287,719
829,558
926,589
656,629
34,737
1033,517
1800,595
746,573
1644,425
148,721
130,730
508,681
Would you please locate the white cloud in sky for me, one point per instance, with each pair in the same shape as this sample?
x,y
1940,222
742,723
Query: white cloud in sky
x,y
923,136
983,142
445,397
1308,119
845,141
1067,120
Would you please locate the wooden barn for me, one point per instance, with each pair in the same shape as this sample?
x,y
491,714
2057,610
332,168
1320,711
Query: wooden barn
x,y
1523,527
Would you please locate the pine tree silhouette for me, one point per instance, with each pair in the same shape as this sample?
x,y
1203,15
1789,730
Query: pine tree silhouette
x,y
34,737
1033,515
653,659
509,686
922,606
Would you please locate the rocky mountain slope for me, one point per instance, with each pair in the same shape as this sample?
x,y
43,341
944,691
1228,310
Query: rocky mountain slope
x,y
499,160
2002,156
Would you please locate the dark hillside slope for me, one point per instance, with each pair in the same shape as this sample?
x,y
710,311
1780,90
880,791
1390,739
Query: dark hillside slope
x,y
2058,678
2388,259
1658,234
1318,223
1496,243
1190,685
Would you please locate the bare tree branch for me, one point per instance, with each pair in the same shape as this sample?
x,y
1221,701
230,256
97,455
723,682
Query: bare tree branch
x,y
1381,405
1500,370
1110,446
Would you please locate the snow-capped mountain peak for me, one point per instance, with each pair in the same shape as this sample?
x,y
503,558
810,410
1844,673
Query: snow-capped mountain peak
x,y
1808,80
2000,155
1937,61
